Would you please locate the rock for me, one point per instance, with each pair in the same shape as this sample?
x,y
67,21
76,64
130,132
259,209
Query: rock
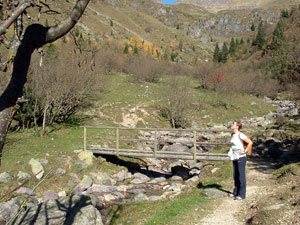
x,y
192,180
178,148
136,191
194,172
50,195
154,162
164,183
62,194
60,171
5,177
214,170
9,209
120,176
122,188
87,157
176,178
22,175
160,179
101,189
37,168
101,178
212,192
84,184
75,210
139,178
25,190
114,196
155,198
139,197
176,187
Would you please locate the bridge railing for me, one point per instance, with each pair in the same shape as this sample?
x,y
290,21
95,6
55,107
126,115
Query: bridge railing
x,y
156,141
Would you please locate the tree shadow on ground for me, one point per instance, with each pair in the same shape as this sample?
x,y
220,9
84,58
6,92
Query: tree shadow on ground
x,y
62,211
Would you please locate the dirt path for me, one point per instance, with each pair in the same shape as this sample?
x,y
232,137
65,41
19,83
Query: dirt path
x,y
230,211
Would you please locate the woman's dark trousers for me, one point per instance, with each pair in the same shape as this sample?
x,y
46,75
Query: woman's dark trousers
x,y
239,176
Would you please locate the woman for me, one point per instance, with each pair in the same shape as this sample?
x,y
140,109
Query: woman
x,y
237,154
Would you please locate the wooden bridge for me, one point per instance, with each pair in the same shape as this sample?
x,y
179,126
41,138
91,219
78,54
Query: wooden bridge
x,y
120,139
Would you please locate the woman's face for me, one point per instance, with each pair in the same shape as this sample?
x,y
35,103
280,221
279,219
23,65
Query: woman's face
x,y
234,126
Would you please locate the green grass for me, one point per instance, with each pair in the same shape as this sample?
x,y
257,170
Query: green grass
x,y
161,212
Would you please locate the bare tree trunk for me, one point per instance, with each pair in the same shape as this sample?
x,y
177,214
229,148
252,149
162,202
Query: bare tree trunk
x,y
35,36
44,119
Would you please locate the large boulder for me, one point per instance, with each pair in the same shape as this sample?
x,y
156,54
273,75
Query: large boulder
x,y
75,210
9,209
84,184
37,168
139,178
87,157
178,148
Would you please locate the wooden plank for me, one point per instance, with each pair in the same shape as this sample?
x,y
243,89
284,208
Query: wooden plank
x,y
161,141
144,151
166,156
161,129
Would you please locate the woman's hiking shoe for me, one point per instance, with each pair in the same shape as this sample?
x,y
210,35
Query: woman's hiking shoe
x,y
238,198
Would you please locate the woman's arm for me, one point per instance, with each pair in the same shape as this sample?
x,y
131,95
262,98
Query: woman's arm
x,y
250,144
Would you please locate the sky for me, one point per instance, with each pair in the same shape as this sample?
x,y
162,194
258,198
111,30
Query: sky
x,y
169,1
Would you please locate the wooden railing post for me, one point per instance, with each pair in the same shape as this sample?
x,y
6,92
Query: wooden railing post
x,y
155,144
195,147
84,138
117,141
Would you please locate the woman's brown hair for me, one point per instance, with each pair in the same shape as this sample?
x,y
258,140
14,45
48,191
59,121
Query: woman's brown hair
x,y
239,124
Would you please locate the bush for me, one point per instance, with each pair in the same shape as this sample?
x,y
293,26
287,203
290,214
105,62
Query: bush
x,y
176,100
57,91
143,69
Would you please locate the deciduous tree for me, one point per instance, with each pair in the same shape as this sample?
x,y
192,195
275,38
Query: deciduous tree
x,y
34,37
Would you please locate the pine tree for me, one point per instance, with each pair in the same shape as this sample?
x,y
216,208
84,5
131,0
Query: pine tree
x,y
253,27
224,55
237,43
278,36
135,50
126,49
232,47
285,13
260,37
216,53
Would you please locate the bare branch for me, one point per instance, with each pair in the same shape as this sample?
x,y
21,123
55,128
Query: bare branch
x,y
65,26
23,5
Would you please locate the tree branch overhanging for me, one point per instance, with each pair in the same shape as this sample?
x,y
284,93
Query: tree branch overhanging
x,y
23,5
